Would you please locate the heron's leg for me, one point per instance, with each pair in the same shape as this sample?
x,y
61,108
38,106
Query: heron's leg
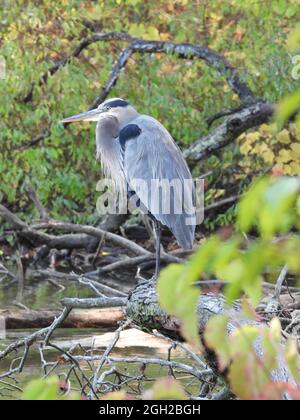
x,y
149,227
157,229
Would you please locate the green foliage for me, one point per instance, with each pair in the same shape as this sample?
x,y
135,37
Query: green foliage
x,y
287,107
236,352
176,297
272,207
46,390
166,389
163,389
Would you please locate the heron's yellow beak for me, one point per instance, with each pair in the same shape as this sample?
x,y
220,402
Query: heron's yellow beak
x,y
92,115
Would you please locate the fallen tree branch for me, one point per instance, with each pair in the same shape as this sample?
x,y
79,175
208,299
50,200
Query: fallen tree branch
x,y
44,216
68,305
142,309
187,350
16,370
56,323
111,223
66,241
135,261
92,231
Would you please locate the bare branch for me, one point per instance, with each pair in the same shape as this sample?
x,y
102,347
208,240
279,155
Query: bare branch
x,y
100,302
221,203
107,352
84,43
228,131
32,338
66,241
173,364
96,232
36,140
185,51
131,262
274,303
78,278
44,216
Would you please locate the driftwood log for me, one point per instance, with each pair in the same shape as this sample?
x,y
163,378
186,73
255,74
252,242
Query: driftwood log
x,y
79,318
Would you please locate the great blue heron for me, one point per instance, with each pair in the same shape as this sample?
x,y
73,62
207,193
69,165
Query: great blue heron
x,y
133,147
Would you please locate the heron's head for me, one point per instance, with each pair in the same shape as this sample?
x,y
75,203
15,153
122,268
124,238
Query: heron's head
x,y
115,107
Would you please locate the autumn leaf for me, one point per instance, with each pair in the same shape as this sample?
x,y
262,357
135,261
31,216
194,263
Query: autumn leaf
x,y
238,34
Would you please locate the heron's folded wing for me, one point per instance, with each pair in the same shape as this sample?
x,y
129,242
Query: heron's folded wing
x,y
152,164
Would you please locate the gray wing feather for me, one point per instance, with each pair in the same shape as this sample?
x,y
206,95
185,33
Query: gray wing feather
x,y
154,155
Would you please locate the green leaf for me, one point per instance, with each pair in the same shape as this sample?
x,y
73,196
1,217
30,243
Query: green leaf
x,y
42,389
166,389
247,377
275,330
279,199
269,205
179,298
203,260
292,359
250,205
293,41
286,108
217,339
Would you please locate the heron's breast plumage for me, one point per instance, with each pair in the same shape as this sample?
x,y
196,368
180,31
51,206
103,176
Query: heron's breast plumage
x,y
108,151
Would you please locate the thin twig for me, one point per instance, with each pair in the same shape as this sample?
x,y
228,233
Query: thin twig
x,y
107,352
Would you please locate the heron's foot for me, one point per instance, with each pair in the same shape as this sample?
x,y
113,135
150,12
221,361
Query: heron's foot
x,y
154,278
142,280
